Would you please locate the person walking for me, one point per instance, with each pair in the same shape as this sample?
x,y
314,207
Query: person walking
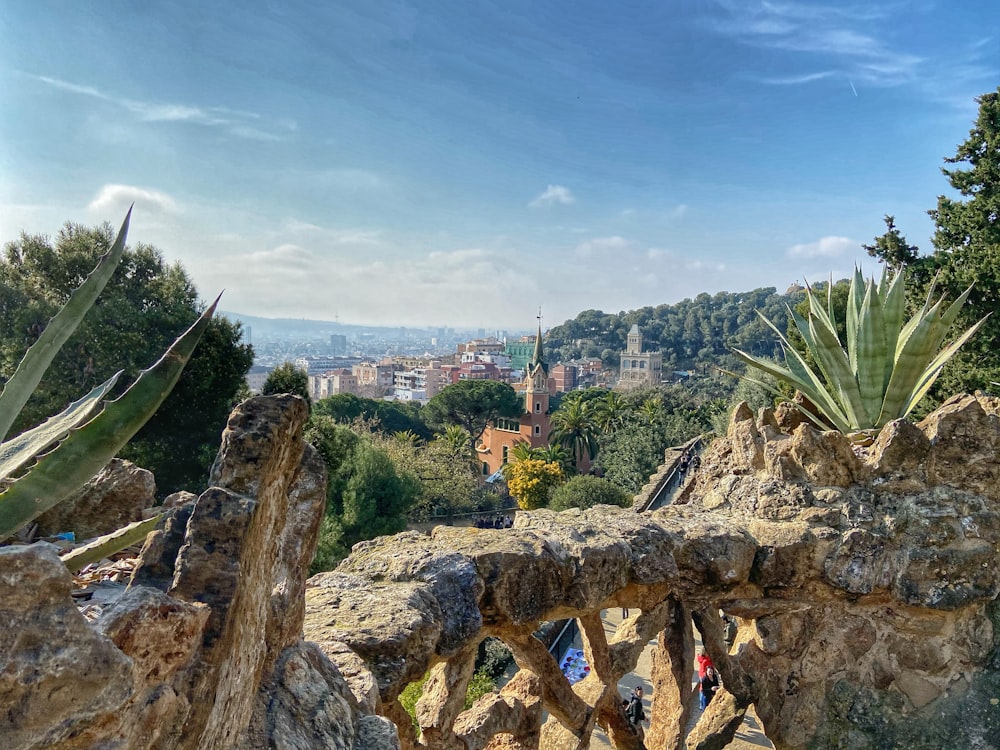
x,y
636,715
709,686
704,662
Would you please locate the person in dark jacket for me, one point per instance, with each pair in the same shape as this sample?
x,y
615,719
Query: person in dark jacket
x,y
709,685
635,714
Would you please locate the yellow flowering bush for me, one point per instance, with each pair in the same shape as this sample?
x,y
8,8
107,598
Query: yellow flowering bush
x,y
531,480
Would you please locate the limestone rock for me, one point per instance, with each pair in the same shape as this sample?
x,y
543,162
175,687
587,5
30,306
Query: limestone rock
x,y
57,674
204,649
964,441
115,497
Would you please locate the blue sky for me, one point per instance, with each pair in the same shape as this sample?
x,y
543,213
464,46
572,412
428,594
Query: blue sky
x,y
455,162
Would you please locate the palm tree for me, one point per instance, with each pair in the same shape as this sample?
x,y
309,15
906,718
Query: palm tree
x,y
556,454
574,428
457,440
455,436
652,410
521,451
611,411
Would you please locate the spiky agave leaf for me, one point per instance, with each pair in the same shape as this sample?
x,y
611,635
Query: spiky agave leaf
x,y
39,356
800,376
108,544
888,366
24,448
85,450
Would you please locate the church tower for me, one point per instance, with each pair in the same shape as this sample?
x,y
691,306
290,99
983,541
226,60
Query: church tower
x,y
639,368
536,381
634,343
532,427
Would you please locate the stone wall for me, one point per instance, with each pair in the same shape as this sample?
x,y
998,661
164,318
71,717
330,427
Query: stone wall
x,y
864,579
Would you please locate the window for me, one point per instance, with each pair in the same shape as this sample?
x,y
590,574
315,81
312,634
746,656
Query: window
x,y
506,450
486,469
642,365
538,429
538,406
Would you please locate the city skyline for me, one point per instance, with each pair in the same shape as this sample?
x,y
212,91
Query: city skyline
x,y
460,164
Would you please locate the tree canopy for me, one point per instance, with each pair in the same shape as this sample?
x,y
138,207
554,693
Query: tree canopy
x,y
967,248
473,404
366,495
146,304
287,378
691,333
387,416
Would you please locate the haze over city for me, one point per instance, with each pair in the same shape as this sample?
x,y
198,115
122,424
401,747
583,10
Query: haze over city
x,y
456,163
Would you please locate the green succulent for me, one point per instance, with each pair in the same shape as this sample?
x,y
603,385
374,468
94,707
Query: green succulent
x,y
44,465
887,365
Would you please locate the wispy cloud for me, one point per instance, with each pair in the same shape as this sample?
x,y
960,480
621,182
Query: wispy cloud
x,y
552,195
235,122
117,198
795,80
317,233
838,36
825,247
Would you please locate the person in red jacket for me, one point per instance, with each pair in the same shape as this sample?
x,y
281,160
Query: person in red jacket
x,y
704,662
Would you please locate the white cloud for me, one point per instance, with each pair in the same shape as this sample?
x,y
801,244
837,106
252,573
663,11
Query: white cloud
x,y
825,247
450,286
553,194
678,211
287,256
705,265
602,247
317,233
117,198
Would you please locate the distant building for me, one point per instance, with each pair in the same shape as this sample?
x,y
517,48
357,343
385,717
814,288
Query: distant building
x,y
317,365
477,371
419,383
338,343
485,345
521,351
256,378
333,383
565,377
639,368
374,379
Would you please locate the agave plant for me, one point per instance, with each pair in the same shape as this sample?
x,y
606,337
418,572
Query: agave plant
x,y
887,365
43,466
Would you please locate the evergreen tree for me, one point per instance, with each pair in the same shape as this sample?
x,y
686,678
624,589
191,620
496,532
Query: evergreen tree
x,y
892,248
967,249
287,378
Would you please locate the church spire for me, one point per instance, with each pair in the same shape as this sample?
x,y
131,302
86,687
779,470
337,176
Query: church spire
x,y
536,358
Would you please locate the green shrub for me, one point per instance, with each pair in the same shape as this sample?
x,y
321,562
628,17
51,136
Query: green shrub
x,y
493,658
587,491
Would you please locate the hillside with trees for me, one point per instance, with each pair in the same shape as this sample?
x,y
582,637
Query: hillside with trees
x,y
693,334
